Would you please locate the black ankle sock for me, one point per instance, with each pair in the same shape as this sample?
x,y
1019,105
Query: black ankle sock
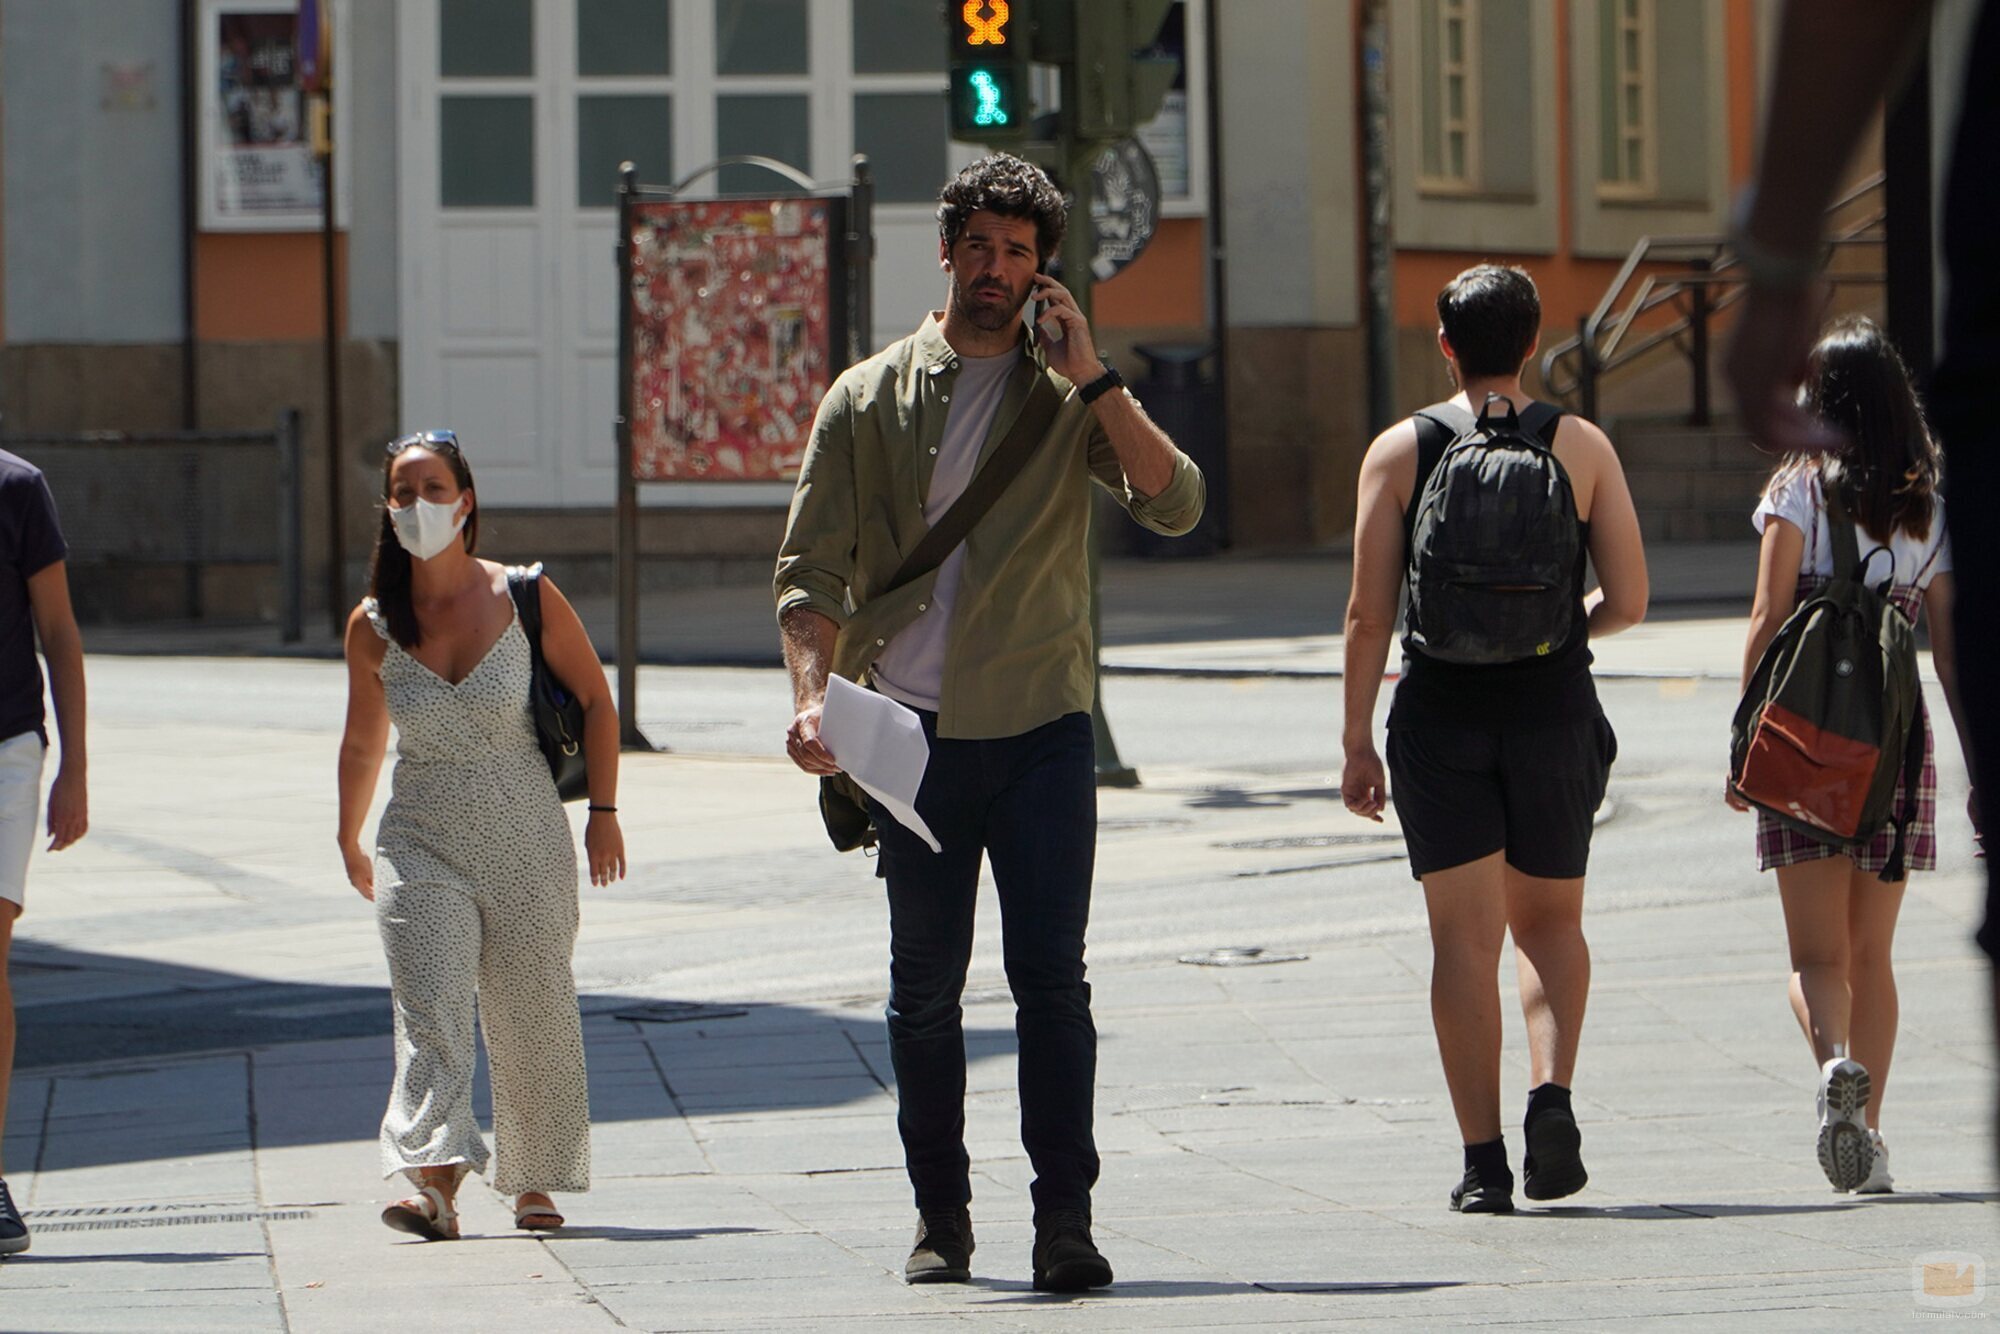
x,y
1490,1161
1546,1096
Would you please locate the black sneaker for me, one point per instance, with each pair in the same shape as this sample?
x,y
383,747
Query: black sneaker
x,y
13,1232
1473,1196
943,1253
1066,1259
1553,1166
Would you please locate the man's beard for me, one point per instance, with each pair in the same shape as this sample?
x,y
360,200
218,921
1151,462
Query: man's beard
x,y
989,315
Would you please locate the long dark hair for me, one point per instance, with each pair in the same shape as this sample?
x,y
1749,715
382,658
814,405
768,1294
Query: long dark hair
x,y
389,572
1887,475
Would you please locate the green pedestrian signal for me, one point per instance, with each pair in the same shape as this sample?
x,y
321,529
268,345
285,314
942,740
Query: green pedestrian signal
x,y
989,69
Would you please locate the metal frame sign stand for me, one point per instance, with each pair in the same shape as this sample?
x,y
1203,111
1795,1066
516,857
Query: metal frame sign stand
x,y
751,307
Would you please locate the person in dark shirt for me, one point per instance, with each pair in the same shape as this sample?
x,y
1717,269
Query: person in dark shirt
x,y
34,603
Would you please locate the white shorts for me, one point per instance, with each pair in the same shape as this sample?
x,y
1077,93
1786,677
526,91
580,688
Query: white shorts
x,y
20,803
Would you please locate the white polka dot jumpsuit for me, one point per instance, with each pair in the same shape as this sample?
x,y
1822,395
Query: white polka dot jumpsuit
x,y
476,891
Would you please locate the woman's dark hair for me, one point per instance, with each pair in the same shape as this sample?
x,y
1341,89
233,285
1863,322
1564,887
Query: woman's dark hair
x,y
1491,315
1887,475
389,571
1003,184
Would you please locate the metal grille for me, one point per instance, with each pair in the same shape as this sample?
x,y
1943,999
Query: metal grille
x,y
129,500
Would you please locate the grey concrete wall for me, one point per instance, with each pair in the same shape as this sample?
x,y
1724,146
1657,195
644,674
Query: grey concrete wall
x,y
93,237
368,86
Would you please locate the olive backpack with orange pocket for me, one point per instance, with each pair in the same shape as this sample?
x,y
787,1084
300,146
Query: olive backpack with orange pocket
x,y
1829,720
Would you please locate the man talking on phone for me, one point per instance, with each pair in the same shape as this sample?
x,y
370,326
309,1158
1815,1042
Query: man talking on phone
x,y
976,417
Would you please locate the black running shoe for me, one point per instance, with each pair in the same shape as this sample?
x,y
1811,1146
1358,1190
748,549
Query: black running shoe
x,y
943,1253
13,1231
1474,1196
1066,1259
1553,1166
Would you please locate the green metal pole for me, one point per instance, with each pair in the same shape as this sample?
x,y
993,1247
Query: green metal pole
x,y
1078,249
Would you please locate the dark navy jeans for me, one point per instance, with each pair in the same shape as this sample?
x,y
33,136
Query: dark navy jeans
x,y
1029,804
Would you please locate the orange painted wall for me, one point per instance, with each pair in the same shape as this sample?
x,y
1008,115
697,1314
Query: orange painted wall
x,y
1163,287
263,286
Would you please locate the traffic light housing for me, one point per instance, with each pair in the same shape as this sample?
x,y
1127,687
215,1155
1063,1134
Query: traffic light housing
x,y
1118,85
989,49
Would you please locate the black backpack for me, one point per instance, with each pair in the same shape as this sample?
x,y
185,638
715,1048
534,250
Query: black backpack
x,y
1495,545
1829,720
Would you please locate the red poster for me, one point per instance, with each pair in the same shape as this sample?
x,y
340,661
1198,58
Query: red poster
x,y
733,313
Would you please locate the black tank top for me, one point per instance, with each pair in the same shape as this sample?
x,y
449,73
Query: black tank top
x,y
1501,697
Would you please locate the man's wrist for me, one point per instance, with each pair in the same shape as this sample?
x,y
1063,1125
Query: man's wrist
x,y
1093,386
1787,265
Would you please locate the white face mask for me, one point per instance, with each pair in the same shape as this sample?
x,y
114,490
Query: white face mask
x,y
425,527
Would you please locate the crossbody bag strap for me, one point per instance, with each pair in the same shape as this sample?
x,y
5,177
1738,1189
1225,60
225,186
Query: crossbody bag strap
x,y
993,478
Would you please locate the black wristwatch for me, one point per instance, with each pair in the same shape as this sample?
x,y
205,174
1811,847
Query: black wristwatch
x,y
1102,385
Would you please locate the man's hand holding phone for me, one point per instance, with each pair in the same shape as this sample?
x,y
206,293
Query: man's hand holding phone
x,y
1065,333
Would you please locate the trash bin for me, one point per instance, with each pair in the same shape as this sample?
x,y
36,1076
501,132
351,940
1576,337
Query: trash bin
x,y
1181,394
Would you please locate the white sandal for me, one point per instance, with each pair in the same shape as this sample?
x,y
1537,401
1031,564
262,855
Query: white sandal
x,y
523,1212
427,1214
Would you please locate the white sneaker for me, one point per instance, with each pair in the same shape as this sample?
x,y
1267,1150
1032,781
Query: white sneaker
x,y
1879,1181
1846,1154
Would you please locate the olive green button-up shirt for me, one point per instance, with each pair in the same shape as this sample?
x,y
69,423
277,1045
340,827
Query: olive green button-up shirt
x,y
1019,650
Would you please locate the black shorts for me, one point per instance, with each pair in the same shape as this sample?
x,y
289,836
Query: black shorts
x,y
1464,794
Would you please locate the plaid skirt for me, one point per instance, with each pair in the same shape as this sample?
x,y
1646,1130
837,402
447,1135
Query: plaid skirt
x,y
1779,845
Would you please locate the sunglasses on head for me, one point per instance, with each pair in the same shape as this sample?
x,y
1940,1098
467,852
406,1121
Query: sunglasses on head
x,y
425,440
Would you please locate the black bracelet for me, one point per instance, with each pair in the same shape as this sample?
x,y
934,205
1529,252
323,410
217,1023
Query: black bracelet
x,y
609,810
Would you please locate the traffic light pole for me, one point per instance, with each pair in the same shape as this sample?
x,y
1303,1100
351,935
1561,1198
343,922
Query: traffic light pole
x,y
1078,250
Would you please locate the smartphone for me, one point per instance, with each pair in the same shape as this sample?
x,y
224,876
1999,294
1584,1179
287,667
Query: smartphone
x,y
1038,310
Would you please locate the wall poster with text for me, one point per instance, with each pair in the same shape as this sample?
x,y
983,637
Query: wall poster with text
x,y
258,172
738,307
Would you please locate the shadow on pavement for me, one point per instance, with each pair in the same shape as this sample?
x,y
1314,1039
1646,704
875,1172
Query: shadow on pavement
x,y
1018,1293
133,1258
111,1015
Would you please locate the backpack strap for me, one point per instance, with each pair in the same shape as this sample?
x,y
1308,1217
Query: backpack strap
x,y
1437,426
1913,774
1846,546
1541,420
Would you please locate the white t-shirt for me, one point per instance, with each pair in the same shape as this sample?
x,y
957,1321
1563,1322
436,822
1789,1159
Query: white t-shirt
x,y
1800,501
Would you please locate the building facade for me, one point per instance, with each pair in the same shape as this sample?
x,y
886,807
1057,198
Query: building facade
x,y
477,147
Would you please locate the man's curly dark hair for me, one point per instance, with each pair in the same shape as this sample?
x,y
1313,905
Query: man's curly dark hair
x,y
1010,187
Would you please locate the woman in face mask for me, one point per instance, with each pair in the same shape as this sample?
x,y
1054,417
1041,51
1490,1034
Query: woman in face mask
x,y
474,872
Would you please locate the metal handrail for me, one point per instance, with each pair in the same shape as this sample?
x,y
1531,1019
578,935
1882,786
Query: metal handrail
x,y
1709,282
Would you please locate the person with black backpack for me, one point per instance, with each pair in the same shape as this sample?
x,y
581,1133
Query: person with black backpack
x,y
1487,506
1832,743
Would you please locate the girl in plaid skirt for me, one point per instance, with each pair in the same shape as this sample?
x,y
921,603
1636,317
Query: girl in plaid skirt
x,y
1840,915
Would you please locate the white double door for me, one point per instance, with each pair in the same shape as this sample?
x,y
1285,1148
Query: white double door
x,y
509,313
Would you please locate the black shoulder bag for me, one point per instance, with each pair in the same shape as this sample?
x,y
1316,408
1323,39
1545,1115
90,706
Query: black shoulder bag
x,y
841,806
557,715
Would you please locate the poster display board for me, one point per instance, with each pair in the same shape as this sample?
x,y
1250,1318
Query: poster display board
x,y
738,326
258,172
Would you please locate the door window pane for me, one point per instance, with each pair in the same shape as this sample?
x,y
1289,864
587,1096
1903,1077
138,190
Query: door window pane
x,y
486,152
486,38
904,136
762,37
773,126
898,37
624,37
611,130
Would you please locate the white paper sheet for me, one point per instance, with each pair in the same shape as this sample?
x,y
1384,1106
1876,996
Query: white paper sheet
x,y
881,746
